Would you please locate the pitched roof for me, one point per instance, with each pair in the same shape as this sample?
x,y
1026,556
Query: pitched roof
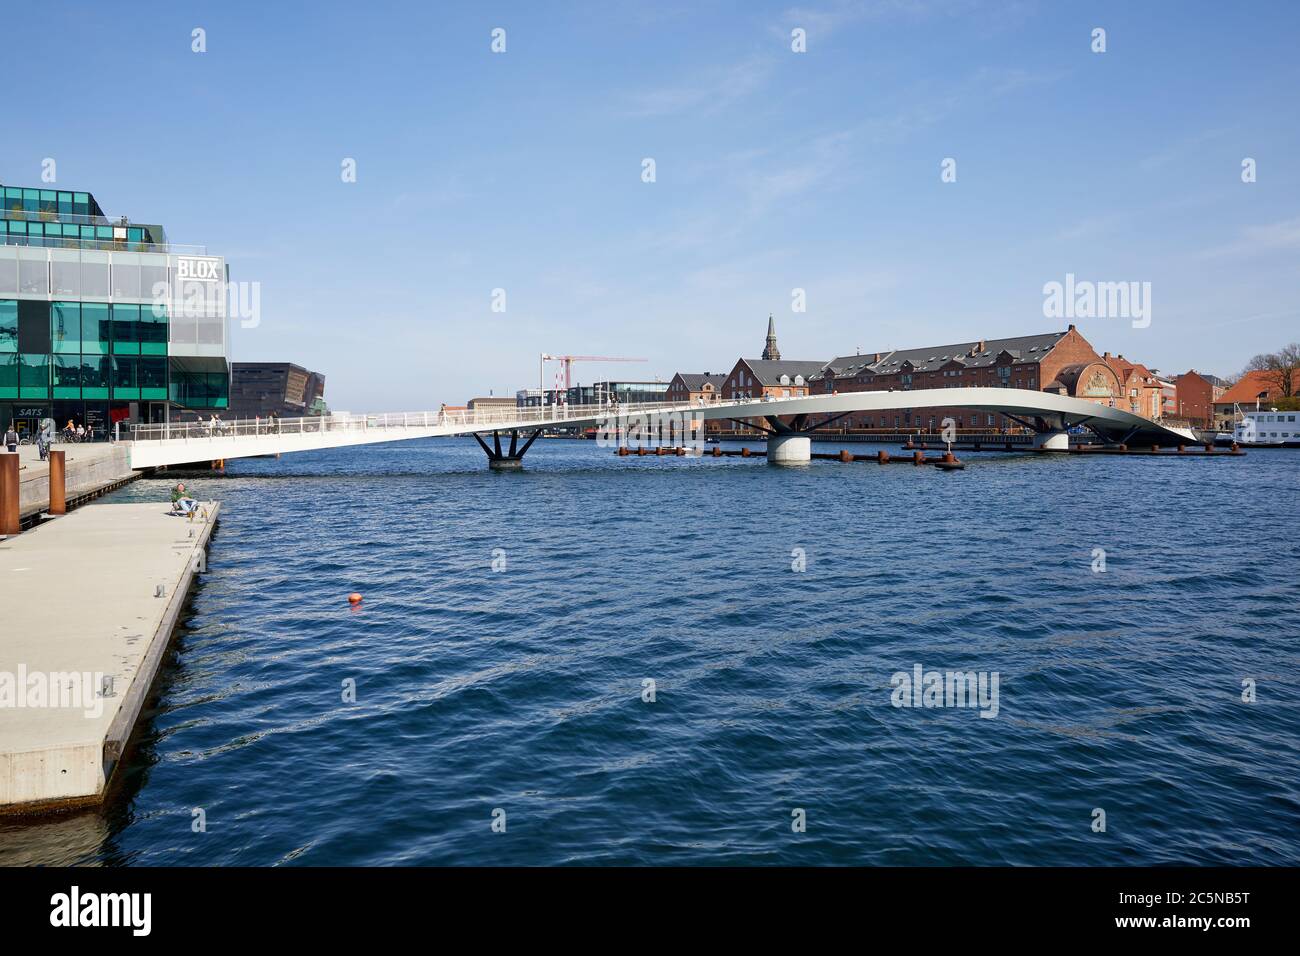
x,y
770,372
1252,383
1125,370
934,357
695,381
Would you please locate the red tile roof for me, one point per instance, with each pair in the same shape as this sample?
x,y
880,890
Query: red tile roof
x,y
1252,383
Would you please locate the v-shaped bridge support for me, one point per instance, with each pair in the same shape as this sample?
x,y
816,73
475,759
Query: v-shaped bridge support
x,y
512,460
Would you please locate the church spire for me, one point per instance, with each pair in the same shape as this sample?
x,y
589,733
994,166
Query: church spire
x,y
770,352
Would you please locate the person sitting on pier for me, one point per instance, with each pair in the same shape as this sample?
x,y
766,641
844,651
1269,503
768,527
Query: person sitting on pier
x,y
182,503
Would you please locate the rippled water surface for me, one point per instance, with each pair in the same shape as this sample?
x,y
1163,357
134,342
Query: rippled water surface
x,y
521,689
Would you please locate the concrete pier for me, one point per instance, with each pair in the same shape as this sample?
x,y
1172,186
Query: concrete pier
x,y
789,449
1052,441
75,672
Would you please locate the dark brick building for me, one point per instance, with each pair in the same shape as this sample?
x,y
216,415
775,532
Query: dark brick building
x,y
259,388
1060,362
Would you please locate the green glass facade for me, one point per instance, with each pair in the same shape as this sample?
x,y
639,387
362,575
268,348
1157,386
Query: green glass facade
x,y
86,332
85,350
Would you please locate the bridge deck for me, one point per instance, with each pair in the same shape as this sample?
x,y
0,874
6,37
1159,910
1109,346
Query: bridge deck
x,y
158,445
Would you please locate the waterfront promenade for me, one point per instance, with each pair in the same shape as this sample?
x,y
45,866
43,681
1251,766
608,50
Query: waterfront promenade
x,y
90,469
91,602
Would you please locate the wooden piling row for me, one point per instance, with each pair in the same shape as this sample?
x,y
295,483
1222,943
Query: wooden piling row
x,y
948,461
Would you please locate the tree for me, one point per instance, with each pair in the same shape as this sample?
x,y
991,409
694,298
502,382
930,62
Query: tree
x,y
1280,368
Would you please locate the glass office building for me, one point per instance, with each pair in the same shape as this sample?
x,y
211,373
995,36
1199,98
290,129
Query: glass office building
x,y
103,320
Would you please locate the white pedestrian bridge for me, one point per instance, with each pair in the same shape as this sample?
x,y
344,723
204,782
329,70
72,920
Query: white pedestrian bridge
x,y
787,422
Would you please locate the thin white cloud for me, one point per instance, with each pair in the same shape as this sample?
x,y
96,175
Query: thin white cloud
x,y
1180,150
1259,240
708,91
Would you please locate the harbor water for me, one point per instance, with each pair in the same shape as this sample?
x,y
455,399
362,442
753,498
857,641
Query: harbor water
x,y
604,660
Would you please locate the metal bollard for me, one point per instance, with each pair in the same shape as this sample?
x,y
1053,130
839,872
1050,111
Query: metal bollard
x,y
9,491
58,483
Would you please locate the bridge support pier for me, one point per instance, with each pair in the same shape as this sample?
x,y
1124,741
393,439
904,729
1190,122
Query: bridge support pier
x,y
789,449
1052,440
512,460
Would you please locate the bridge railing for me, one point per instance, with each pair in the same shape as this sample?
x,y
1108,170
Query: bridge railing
x,y
452,419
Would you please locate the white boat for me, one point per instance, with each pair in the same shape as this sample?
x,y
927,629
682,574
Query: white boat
x,y
1265,428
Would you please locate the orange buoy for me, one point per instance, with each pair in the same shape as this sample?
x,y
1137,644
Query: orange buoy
x,y
354,598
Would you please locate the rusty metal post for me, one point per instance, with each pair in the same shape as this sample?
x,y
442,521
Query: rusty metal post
x,y
9,489
882,456
918,457
846,455
58,483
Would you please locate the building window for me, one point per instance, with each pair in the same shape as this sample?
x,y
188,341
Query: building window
x,y
65,326
126,330
94,376
153,330
34,376
95,328
8,326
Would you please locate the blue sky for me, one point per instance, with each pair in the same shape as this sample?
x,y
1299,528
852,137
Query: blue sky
x,y
774,170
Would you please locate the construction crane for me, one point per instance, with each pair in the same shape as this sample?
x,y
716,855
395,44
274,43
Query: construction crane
x,y
568,361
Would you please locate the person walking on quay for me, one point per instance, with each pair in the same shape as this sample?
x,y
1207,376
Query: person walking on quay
x,y
45,438
11,439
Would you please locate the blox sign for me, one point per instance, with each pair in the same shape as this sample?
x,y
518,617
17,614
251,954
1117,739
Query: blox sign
x,y
198,269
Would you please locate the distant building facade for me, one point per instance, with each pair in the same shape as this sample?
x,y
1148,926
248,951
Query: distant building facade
x,y
1063,363
700,388
1196,395
491,402
1141,391
1251,389
625,393
259,388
